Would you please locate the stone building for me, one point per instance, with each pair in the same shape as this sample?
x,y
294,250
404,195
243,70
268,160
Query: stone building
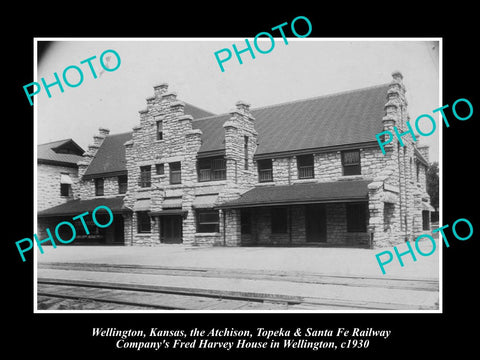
x,y
306,172
57,171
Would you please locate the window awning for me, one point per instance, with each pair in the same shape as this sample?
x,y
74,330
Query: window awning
x,y
65,179
426,206
172,203
142,205
205,201
169,212
307,193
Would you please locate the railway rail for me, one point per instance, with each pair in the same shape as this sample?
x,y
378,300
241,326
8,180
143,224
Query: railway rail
x,y
78,294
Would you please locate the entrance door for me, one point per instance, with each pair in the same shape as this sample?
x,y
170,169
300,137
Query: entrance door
x,y
118,230
316,223
171,229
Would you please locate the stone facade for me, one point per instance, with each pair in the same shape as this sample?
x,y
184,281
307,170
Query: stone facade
x,y
180,143
48,184
171,202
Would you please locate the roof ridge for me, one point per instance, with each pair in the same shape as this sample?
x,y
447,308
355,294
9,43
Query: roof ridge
x,y
55,141
343,92
212,116
198,107
122,133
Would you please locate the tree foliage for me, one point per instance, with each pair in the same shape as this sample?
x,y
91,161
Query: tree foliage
x,y
433,184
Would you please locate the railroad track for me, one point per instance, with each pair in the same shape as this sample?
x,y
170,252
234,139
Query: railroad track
x,y
155,297
309,278
82,293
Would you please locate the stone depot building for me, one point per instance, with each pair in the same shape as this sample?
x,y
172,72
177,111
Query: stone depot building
x,y
306,172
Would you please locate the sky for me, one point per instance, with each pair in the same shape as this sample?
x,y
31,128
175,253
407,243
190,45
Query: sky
x,y
307,67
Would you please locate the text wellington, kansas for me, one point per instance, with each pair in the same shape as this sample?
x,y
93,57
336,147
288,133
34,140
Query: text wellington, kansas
x,y
310,338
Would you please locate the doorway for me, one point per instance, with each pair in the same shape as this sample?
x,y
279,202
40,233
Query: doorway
x,y
171,229
316,223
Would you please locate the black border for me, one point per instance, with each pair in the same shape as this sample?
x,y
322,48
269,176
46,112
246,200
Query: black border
x,y
63,335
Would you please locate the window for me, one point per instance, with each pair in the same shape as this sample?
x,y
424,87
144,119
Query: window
x,y
160,169
418,171
122,184
278,218
99,191
245,221
65,185
175,173
160,130
145,176
65,190
357,217
265,173
245,151
207,221
212,169
351,162
305,166
143,222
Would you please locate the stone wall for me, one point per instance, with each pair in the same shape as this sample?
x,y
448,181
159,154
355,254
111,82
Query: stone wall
x,y
394,194
395,215
82,188
181,143
327,168
86,188
48,185
336,228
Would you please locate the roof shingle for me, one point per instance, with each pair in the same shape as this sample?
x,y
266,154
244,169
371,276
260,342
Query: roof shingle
x,y
351,117
344,118
110,158
76,207
48,152
353,190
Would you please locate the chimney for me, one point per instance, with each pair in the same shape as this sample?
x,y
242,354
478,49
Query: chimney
x,y
240,143
88,156
396,105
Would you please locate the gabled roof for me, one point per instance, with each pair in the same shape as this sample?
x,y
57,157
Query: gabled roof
x,y
343,119
307,193
196,112
51,153
110,158
351,117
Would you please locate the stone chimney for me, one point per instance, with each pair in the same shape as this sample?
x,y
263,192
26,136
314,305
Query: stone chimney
x,y
396,106
88,155
240,138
